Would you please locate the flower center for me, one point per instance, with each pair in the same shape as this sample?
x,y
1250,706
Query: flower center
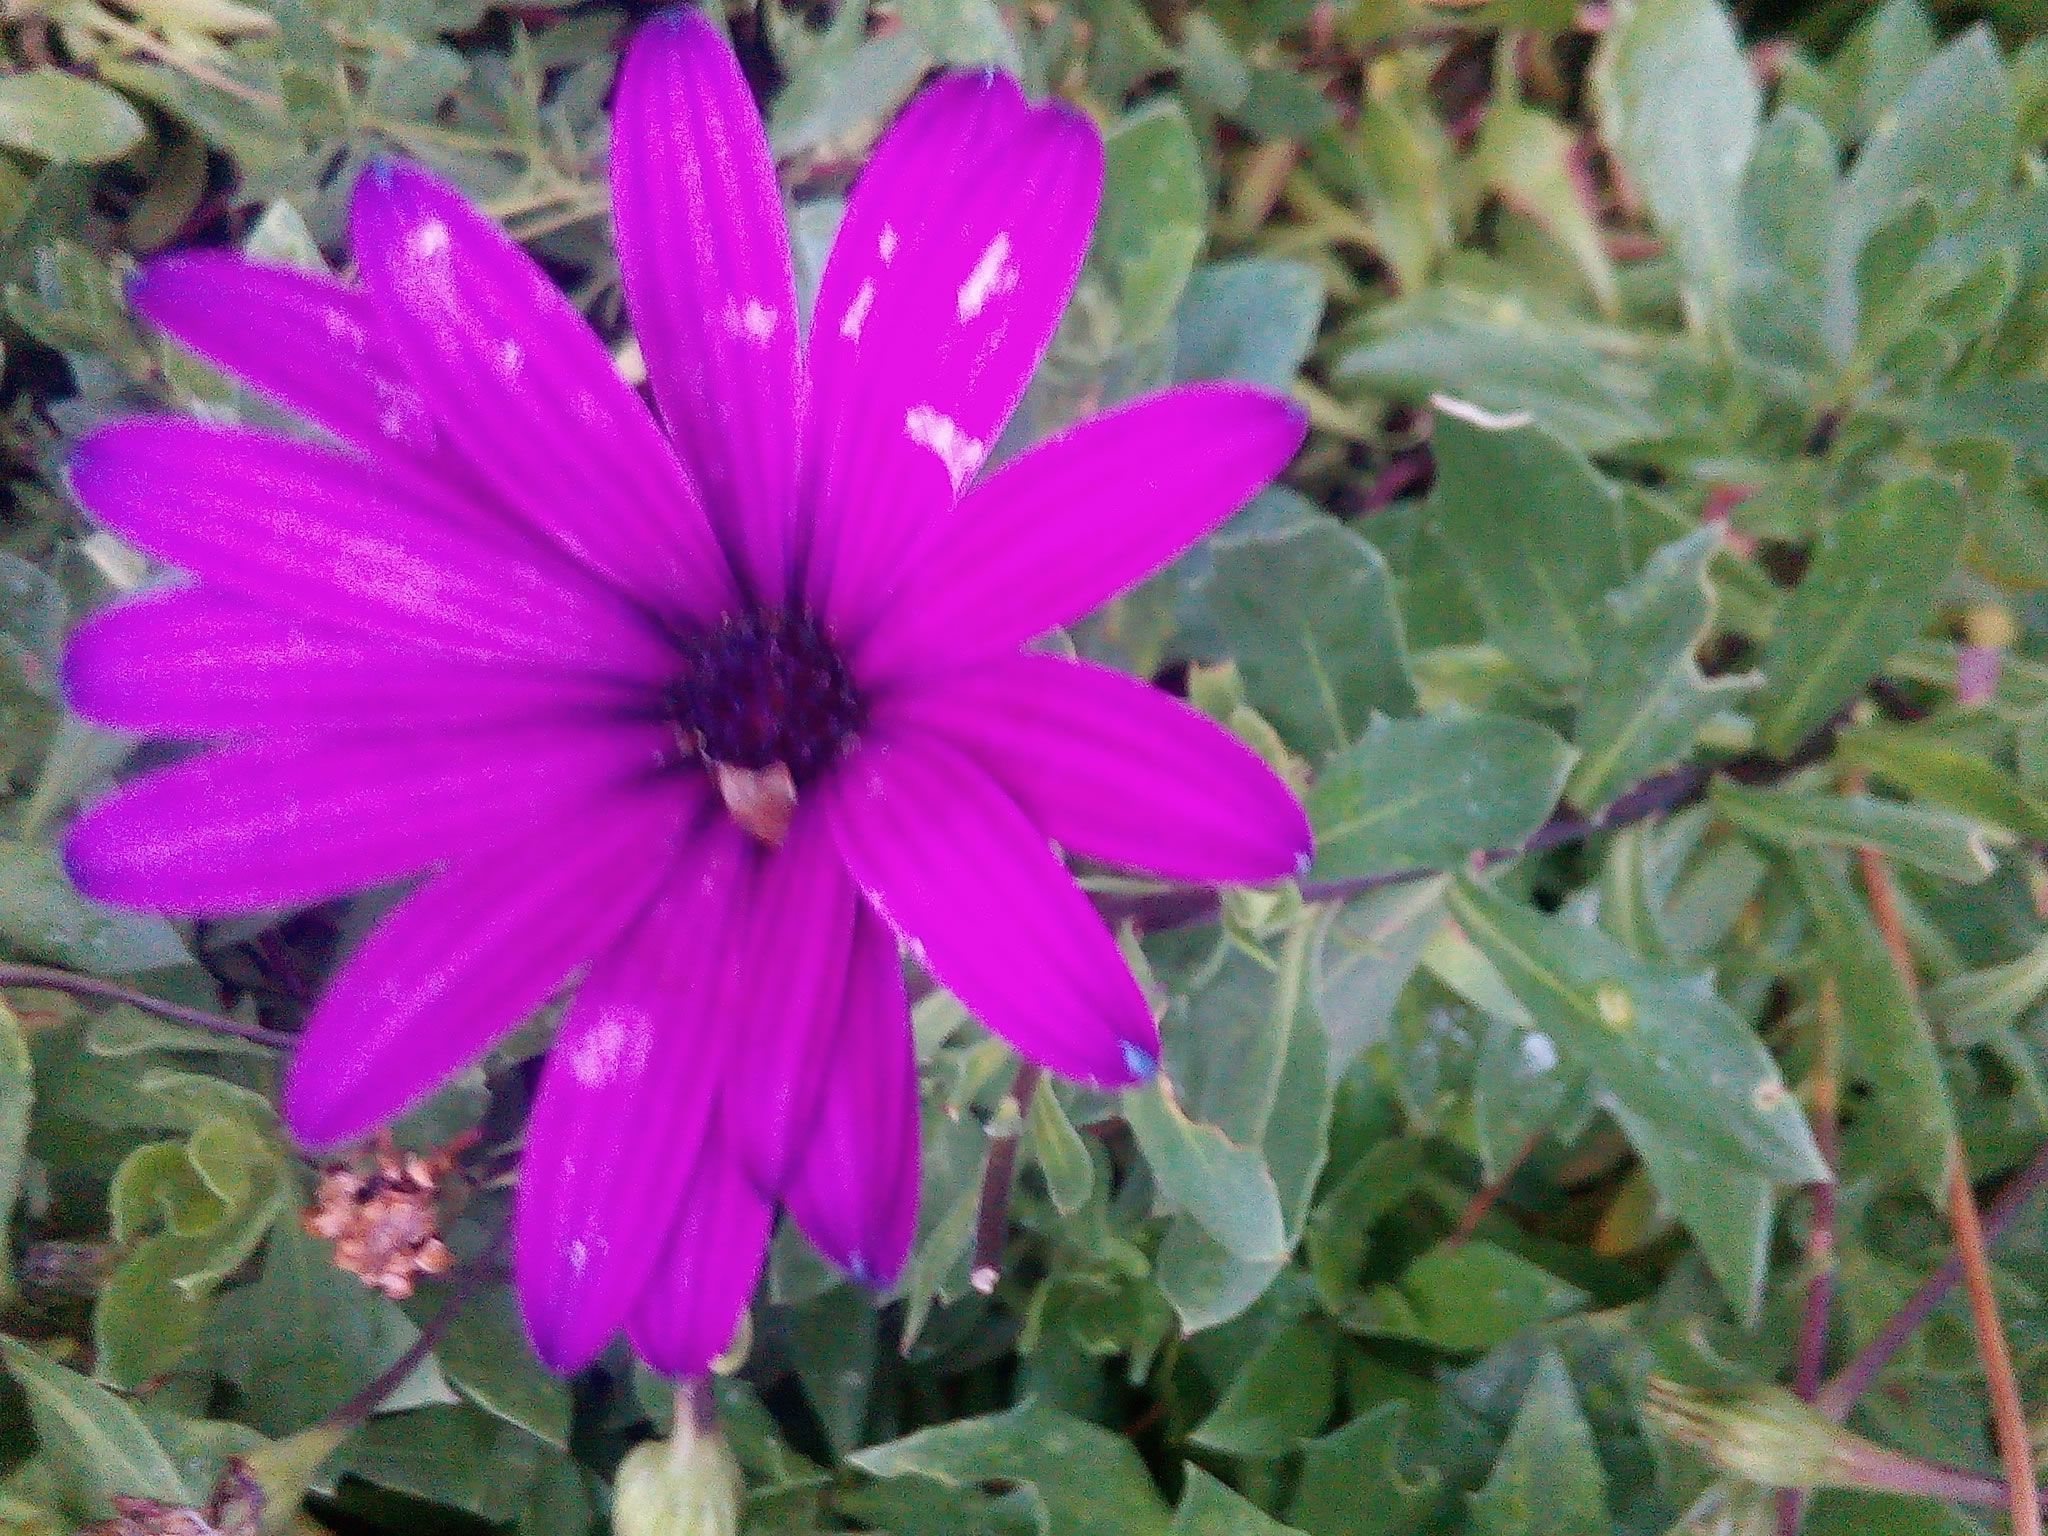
x,y
765,693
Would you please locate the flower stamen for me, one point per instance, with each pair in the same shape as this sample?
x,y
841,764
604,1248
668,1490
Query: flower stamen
x,y
768,703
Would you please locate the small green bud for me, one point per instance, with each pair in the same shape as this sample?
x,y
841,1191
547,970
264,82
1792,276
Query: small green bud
x,y
686,1485
1764,1435
1768,1437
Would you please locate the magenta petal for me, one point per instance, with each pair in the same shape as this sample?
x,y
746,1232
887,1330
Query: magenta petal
x,y
629,1093
960,247
1117,770
309,343
524,386
961,873
327,536
468,956
692,1303
1082,517
705,255
196,663
791,979
302,819
855,1195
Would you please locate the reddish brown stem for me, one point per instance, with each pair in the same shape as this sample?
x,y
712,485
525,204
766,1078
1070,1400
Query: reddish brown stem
x,y
992,1224
2008,1417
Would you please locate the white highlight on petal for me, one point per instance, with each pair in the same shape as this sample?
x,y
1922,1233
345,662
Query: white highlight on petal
x,y
857,312
594,1060
934,429
342,329
429,241
886,246
755,321
992,275
509,356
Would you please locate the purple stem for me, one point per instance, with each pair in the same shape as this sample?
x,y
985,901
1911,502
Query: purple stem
x,y
52,980
1854,1379
992,1222
1188,904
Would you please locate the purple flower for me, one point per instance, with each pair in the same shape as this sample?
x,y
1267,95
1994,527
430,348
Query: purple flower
x,y
715,715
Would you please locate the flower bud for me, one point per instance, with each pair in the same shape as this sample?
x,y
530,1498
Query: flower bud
x,y
1763,1435
686,1485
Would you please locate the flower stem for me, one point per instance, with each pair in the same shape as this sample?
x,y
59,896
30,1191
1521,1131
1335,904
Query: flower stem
x,y
50,979
2008,1417
992,1224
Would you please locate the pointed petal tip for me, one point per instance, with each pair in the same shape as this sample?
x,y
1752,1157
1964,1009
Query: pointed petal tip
x,y
1143,1063
870,1275
552,1345
316,1116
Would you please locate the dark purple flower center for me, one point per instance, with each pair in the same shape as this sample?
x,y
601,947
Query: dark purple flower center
x,y
766,687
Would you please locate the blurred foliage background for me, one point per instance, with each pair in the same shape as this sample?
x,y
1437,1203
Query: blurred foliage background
x,y
1653,623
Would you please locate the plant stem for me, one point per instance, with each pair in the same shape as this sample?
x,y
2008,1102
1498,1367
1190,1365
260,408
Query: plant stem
x,y
1849,1384
2008,1417
1820,1234
992,1224
1181,906
49,979
467,1283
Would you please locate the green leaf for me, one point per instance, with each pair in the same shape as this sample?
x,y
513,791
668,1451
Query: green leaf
x,y
1308,611
1548,1480
67,118
1062,1156
1588,385
1361,1480
455,1455
306,1337
1891,1046
837,93
965,32
1090,1480
98,1446
1728,1207
1249,1054
1777,316
1927,766
1537,535
1679,106
486,1358
1949,139
1208,1508
1224,1186
215,1198
1467,1297
1977,1004
17,1098
46,919
1366,949
1252,320
1155,213
1282,1396
1525,157
1657,1041
1426,793
1646,698
1942,842
1869,590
